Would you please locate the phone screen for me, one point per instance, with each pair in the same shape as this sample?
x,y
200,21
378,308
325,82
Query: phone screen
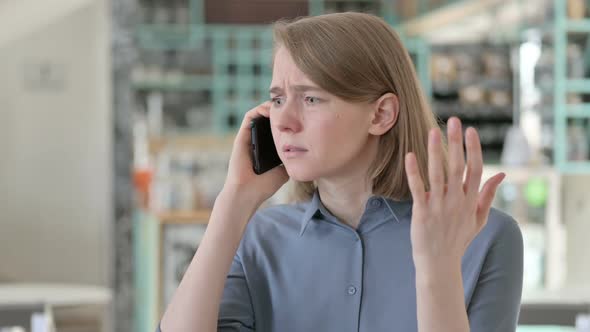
x,y
264,152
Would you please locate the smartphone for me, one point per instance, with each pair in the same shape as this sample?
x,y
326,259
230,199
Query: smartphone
x,y
264,152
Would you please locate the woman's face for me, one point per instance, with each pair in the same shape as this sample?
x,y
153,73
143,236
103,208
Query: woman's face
x,y
317,135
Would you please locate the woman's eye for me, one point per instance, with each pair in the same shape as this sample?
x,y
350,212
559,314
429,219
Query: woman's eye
x,y
312,100
277,101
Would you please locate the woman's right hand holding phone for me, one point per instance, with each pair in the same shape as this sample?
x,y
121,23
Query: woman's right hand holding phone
x,y
195,305
241,179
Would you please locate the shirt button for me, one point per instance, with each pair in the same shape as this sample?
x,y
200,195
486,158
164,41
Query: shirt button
x,y
351,290
376,203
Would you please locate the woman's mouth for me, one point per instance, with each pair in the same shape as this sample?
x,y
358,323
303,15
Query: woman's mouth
x,y
292,148
292,151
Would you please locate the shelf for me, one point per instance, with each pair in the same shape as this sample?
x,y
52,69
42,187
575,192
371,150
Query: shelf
x,y
494,145
486,82
578,85
521,173
184,217
545,328
192,36
484,113
488,119
565,296
151,36
193,142
578,26
186,83
575,167
448,12
578,111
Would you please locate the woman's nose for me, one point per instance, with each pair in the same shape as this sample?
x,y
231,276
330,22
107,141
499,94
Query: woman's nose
x,y
287,118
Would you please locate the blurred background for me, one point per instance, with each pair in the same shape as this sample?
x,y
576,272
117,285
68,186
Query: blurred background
x,y
117,118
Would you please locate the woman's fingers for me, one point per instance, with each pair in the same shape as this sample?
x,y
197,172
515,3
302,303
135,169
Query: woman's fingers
x,y
456,156
435,165
444,192
243,141
415,179
486,197
474,165
243,135
470,187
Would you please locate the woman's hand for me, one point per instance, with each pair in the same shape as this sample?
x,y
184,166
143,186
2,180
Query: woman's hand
x,y
195,304
446,219
241,178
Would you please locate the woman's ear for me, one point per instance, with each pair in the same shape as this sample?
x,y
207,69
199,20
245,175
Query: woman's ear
x,y
385,113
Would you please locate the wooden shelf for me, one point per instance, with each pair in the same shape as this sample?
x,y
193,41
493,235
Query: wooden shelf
x,y
193,142
456,11
184,217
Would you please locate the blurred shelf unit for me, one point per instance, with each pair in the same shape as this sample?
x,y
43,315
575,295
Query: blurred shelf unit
x,y
532,196
196,12
554,95
189,142
186,174
200,70
571,88
189,216
203,64
474,81
163,248
207,89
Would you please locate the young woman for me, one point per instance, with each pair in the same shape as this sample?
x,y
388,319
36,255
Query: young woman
x,y
390,234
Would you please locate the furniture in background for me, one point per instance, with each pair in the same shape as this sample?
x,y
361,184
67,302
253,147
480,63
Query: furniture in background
x,y
19,301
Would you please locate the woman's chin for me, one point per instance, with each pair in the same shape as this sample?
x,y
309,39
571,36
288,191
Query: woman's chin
x,y
300,174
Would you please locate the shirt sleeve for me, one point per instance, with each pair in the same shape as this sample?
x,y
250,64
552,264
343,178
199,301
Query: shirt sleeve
x,y
495,304
235,311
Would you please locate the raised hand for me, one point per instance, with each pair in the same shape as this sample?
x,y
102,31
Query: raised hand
x,y
447,218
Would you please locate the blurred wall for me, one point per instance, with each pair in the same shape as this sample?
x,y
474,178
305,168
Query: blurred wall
x,y
55,158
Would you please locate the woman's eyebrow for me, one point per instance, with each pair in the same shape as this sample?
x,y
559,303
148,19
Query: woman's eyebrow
x,y
296,88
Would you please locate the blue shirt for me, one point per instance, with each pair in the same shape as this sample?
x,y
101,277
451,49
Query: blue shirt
x,y
300,269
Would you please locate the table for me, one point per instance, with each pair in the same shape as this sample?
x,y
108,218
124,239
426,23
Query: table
x,y
19,300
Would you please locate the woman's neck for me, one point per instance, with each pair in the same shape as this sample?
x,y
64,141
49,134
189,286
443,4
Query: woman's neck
x,y
345,195
346,200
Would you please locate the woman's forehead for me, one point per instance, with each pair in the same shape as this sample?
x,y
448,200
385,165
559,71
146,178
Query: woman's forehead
x,y
287,76
285,69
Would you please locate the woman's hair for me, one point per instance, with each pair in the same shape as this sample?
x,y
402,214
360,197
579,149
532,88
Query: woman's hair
x,y
358,58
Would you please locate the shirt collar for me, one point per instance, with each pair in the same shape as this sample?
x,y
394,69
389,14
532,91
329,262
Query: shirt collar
x,y
397,210
313,208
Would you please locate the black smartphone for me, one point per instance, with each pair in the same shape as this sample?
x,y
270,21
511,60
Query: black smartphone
x,y
264,152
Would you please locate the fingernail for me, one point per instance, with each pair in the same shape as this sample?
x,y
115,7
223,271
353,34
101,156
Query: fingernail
x,y
452,123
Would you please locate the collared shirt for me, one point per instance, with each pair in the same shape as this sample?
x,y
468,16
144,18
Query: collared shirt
x,y
299,269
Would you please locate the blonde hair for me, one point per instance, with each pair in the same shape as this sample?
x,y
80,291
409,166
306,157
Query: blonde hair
x,y
358,58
